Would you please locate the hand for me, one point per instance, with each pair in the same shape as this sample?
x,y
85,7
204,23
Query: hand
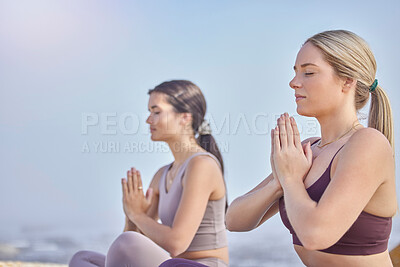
x,y
134,201
289,159
275,179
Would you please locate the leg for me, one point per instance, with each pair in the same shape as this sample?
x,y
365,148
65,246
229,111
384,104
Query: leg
x,y
210,262
181,263
133,249
86,258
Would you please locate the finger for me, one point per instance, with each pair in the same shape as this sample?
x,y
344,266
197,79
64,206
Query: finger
x,y
308,153
129,181
272,141
124,188
277,144
282,132
296,133
289,131
149,195
272,152
139,177
134,180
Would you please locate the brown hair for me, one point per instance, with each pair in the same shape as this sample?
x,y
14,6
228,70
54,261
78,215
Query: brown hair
x,y
186,97
351,57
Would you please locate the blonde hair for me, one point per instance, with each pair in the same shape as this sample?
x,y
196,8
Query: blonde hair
x,y
351,57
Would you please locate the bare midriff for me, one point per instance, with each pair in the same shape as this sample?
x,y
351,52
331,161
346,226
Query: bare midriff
x,y
313,258
221,253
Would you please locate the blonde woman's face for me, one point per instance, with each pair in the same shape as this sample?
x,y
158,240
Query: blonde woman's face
x,y
317,87
163,120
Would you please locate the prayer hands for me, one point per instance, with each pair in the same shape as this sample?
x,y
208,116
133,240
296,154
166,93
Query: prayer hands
x,y
289,159
134,201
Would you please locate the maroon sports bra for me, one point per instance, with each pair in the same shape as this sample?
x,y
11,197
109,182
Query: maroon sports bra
x,y
368,235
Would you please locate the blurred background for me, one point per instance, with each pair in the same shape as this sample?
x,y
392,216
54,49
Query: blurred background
x,y
74,77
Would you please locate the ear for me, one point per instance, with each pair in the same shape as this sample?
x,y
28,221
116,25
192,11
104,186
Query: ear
x,y
348,84
186,118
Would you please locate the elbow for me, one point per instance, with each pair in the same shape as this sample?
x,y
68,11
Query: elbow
x,y
235,227
229,222
176,247
235,223
314,239
232,223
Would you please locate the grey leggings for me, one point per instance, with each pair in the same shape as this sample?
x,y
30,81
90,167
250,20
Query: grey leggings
x,y
128,250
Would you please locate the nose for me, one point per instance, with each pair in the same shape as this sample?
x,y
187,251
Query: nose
x,y
149,119
295,83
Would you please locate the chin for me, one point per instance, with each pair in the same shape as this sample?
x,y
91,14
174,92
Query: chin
x,y
155,138
304,112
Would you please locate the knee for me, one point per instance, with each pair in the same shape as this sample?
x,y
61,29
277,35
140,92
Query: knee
x,y
125,242
78,258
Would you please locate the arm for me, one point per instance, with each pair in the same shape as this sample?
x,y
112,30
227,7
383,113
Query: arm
x,y
153,209
255,207
359,173
202,177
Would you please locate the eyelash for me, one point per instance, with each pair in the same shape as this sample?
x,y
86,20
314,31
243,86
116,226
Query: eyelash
x,y
309,73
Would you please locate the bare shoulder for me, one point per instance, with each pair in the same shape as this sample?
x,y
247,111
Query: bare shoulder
x,y
370,140
369,149
204,168
203,163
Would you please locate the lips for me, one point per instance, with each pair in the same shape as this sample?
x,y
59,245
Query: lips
x,y
152,130
299,97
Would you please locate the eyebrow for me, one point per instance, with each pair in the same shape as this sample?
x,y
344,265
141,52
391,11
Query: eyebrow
x,y
153,107
305,65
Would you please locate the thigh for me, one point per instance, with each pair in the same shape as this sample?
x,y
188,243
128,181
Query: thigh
x,y
134,249
181,263
87,258
208,262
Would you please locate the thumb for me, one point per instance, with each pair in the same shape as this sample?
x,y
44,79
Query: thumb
x,y
308,152
149,195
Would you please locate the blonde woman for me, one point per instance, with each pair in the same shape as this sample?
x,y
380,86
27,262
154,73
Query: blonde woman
x,y
335,193
188,195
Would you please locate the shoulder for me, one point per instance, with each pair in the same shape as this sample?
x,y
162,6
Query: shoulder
x,y
368,148
370,140
203,167
311,140
203,162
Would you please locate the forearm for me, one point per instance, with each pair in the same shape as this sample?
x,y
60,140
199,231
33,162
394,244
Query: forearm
x,y
161,234
246,212
300,208
130,226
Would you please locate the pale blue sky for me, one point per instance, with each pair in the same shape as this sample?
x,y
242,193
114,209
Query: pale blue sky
x,y
63,60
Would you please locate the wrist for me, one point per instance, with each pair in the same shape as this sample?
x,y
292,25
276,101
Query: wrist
x,y
134,218
288,183
276,186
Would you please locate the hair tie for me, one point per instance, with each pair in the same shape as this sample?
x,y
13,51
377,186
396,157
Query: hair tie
x,y
204,128
373,86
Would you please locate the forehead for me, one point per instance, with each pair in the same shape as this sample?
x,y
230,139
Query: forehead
x,y
309,54
159,100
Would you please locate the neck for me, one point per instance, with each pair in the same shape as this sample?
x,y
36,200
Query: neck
x,y
183,148
335,125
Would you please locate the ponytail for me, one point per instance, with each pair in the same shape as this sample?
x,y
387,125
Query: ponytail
x,y
380,114
208,142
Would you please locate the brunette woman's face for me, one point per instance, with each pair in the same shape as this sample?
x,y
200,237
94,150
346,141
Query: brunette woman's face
x,y
316,85
163,120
